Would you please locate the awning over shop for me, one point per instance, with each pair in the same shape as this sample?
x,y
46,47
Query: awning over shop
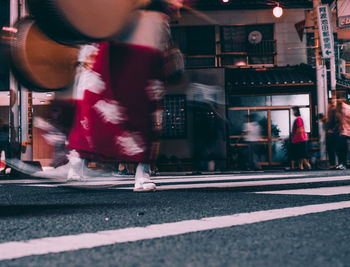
x,y
276,76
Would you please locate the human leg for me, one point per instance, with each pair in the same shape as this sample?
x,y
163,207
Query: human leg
x,y
331,141
142,178
342,151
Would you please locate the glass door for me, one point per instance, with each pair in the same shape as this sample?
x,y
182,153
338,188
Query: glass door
x,y
280,129
275,125
262,146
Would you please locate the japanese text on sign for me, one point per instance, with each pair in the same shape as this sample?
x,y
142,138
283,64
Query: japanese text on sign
x,y
325,30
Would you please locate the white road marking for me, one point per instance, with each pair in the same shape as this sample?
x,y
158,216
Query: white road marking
x,y
219,178
117,181
161,179
42,246
227,177
322,191
181,182
24,181
249,183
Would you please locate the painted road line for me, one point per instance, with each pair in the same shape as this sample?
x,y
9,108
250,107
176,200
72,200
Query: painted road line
x,y
25,181
190,183
249,183
204,178
170,178
322,191
129,181
43,246
230,176
178,186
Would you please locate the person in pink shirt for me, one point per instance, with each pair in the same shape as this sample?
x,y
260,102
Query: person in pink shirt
x,y
343,118
299,138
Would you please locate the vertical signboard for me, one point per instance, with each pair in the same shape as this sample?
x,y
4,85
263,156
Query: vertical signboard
x,y
326,33
343,13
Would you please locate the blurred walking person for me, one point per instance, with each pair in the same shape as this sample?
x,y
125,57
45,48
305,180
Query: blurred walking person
x,y
252,134
299,139
118,96
332,133
343,117
4,144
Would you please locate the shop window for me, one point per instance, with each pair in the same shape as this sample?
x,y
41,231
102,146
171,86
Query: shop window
x,y
261,118
236,120
279,151
247,101
280,123
233,39
291,100
255,41
195,40
174,116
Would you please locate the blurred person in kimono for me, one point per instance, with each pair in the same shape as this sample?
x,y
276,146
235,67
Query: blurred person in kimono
x,y
118,91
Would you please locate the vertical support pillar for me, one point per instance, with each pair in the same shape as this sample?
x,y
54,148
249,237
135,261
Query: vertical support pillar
x,y
14,113
217,47
27,125
26,111
333,75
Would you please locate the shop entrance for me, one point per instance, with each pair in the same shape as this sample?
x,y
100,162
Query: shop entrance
x,y
275,124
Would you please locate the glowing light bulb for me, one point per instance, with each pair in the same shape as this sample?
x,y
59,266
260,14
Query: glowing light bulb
x,y
277,11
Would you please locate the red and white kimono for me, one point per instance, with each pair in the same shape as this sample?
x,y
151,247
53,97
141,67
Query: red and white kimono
x,y
118,95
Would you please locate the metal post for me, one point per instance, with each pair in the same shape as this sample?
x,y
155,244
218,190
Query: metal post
x,y
333,74
26,112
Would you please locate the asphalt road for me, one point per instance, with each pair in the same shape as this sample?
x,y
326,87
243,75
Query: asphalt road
x,y
40,209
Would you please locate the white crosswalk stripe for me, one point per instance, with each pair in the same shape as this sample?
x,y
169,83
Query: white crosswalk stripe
x,y
321,191
209,181
58,244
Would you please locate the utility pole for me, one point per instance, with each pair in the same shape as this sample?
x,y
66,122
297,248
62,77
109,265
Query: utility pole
x,y
321,80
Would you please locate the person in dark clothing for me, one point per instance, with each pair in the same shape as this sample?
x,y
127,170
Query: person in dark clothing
x,y
4,143
332,133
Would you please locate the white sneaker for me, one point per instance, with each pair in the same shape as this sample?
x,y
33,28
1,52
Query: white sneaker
x,y
76,167
341,167
142,179
144,184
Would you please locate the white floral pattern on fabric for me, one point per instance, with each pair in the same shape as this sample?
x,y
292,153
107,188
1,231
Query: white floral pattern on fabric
x,y
86,51
88,80
85,123
111,111
130,143
155,89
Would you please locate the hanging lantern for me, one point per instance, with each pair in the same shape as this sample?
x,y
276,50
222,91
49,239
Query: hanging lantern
x,y
277,11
